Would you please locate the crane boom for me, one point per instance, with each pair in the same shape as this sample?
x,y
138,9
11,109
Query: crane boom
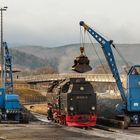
x,y
8,78
106,47
10,107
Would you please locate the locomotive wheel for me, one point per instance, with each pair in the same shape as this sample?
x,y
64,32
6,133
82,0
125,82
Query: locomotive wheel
x,y
126,121
49,114
24,118
64,120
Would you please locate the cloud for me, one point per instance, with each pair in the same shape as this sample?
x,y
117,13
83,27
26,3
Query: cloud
x,y
56,22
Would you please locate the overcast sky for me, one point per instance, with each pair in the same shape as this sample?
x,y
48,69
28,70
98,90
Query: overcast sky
x,y
56,22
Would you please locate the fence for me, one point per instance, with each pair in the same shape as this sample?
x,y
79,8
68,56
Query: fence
x,y
34,99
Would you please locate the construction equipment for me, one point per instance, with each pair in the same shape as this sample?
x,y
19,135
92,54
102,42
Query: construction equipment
x,y
10,108
130,105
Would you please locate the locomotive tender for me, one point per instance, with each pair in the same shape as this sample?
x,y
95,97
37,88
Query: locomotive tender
x,y
76,103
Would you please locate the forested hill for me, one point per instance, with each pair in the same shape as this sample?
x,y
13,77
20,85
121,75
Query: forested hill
x,y
61,58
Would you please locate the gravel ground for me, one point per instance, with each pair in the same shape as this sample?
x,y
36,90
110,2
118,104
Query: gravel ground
x,y
37,131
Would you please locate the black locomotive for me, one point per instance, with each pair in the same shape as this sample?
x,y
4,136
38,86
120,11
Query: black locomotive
x,y
75,103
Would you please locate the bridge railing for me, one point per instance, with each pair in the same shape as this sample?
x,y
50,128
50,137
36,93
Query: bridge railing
x,y
88,77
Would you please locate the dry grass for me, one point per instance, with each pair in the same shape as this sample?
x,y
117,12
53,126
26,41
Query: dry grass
x,y
38,108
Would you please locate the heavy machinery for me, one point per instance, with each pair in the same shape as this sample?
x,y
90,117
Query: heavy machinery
x,y
130,105
10,108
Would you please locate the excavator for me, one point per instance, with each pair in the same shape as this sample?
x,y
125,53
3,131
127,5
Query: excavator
x,y
11,110
130,104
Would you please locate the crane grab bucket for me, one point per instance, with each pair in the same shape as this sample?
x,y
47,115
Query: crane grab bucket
x,y
81,64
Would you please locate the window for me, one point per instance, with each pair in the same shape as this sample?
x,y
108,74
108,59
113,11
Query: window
x,y
135,70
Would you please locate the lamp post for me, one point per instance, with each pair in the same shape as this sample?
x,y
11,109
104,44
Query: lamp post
x,y
1,10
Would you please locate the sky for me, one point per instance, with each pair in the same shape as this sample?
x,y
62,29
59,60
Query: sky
x,y
53,23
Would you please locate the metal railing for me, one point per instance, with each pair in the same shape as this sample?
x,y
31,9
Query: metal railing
x,y
51,77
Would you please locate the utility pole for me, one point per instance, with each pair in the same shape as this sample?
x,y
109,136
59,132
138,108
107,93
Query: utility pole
x,y
2,60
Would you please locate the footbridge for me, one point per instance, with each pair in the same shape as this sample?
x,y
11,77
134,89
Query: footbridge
x,y
52,77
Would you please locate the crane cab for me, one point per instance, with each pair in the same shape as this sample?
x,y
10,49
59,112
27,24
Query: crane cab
x,y
2,96
133,84
9,106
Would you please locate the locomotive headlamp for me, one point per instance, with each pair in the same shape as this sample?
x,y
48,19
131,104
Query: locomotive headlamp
x,y
71,99
82,88
71,108
93,108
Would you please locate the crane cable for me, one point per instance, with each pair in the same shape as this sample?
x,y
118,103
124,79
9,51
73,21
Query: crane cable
x,y
106,72
82,38
97,54
82,41
121,56
118,52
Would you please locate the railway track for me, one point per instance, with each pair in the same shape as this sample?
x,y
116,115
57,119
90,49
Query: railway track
x,y
133,133
41,117
133,130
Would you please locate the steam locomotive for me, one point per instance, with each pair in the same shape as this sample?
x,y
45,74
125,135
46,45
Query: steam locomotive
x,y
75,103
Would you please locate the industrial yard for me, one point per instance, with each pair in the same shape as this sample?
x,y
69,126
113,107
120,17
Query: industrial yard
x,y
38,131
46,130
69,70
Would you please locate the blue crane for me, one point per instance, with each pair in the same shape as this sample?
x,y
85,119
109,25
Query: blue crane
x,y
10,108
130,105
